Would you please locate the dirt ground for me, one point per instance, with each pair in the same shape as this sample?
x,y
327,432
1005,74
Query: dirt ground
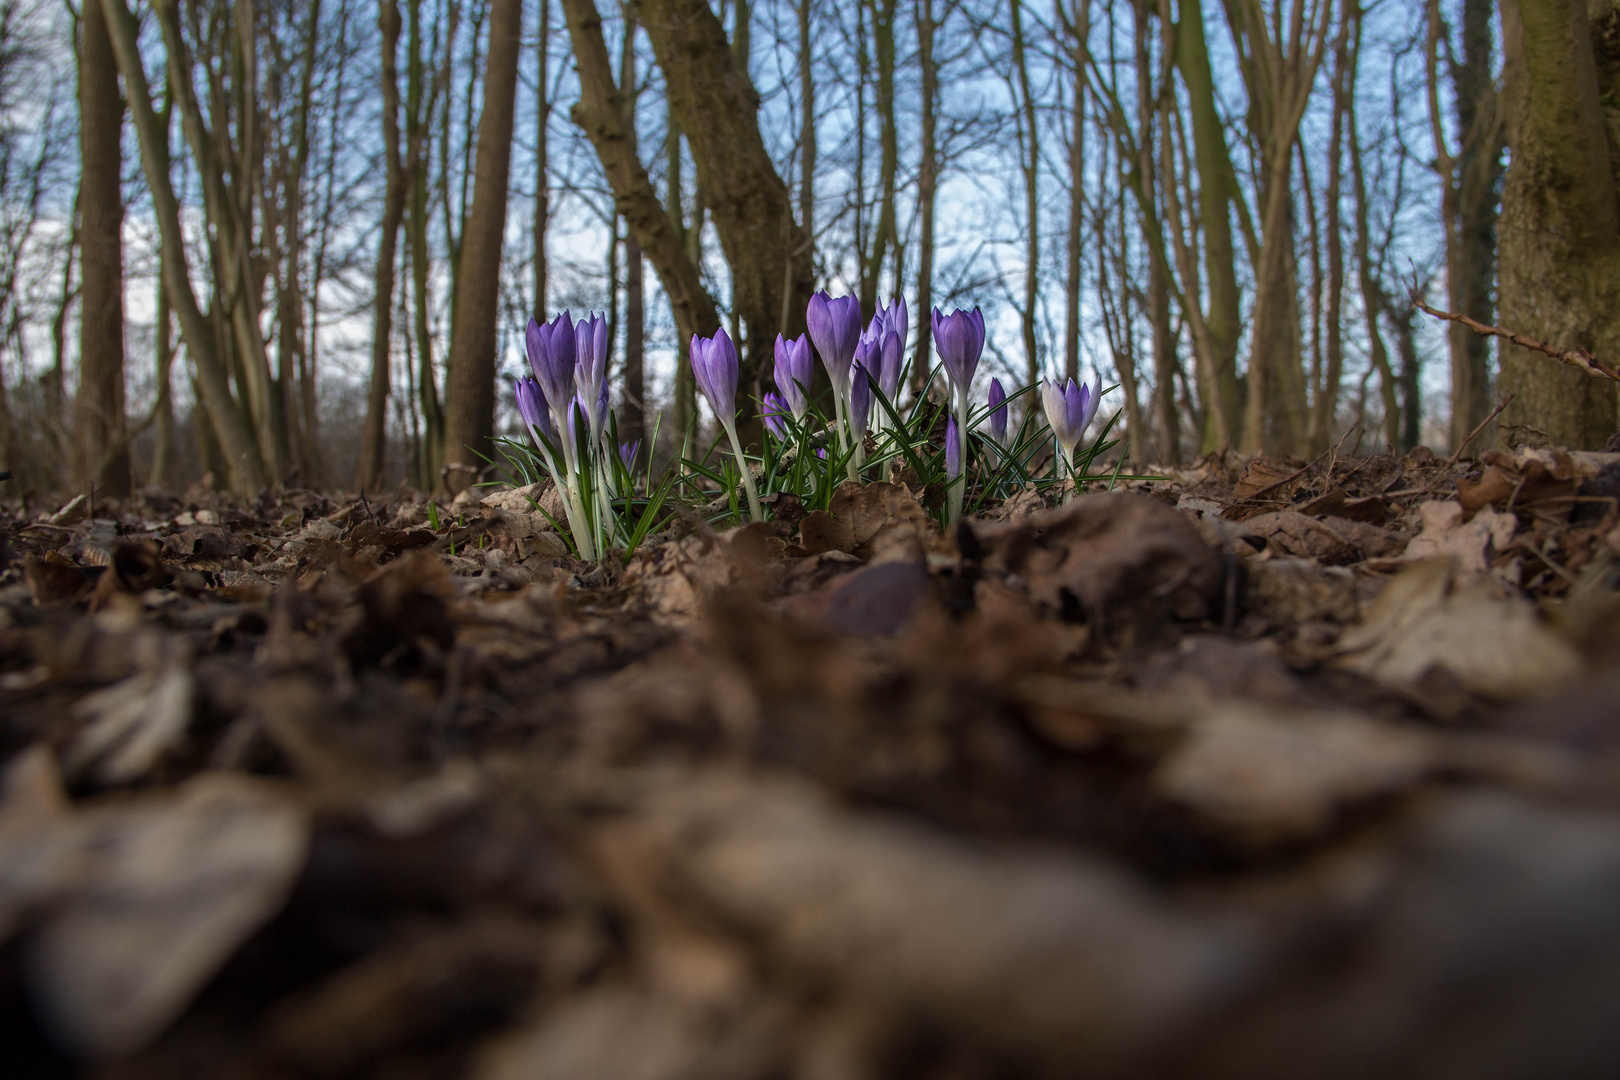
x,y
1276,769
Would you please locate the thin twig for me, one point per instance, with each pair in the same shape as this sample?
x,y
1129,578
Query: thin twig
x,y
1456,455
1576,358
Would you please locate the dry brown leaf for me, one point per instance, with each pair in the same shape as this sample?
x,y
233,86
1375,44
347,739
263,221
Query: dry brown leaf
x,y
131,725
170,888
1266,776
1471,544
1494,645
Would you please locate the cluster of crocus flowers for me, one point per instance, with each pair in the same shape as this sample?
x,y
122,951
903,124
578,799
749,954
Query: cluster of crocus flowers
x,y
564,404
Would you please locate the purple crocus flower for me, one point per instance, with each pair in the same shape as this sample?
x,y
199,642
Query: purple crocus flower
x,y
551,356
775,412
894,319
879,353
714,364
959,337
531,403
998,412
860,401
794,370
953,449
835,330
628,452
591,352
598,416
1069,409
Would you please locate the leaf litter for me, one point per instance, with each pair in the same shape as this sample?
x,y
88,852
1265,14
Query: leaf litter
x,y
1272,768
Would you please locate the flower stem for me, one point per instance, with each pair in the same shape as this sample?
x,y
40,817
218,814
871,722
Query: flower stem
x,y
755,511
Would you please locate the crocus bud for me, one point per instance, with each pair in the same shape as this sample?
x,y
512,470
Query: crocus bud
x,y
628,452
860,400
835,329
793,372
959,338
775,413
591,353
953,450
551,356
531,403
1069,409
998,412
714,365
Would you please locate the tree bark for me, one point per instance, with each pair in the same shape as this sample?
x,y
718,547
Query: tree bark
x,y
542,179
927,190
374,430
1560,252
1217,185
600,113
103,455
885,238
633,410
716,106
245,468
470,394
1080,57
1029,164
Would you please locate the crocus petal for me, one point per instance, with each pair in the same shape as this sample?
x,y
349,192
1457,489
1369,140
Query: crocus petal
x,y
953,450
534,345
890,379
860,400
998,411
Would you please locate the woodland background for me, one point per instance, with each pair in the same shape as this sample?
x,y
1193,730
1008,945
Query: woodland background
x,y
296,242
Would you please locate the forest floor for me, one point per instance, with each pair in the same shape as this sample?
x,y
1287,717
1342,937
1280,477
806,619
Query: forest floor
x,y
1271,769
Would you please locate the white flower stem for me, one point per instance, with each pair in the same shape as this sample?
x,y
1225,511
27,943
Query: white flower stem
x,y
755,511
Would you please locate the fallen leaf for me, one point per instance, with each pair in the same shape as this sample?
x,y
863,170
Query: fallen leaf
x,y
131,725
1268,777
1471,544
171,888
1496,646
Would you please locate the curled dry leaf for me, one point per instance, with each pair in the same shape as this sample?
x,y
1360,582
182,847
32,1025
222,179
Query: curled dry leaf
x,y
875,521
1470,543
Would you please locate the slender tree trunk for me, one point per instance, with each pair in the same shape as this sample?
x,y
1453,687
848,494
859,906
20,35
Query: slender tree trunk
x,y
681,265
807,122
633,413
374,431
1030,163
1217,186
470,398
1325,407
1165,414
98,423
542,179
1372,298
163,443
420,102
240,451
884,234
1080,59
927,191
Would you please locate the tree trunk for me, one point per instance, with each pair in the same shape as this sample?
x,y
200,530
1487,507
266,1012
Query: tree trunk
x,y
927,191
885,237
633,411
1080,58
542,179
470,395
601,115
374,431
716,106
1217,186
1325,407
1030,164
103,455
244,466
1560,252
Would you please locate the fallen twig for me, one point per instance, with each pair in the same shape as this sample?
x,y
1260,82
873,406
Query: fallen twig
x,y
1456,455
1576,358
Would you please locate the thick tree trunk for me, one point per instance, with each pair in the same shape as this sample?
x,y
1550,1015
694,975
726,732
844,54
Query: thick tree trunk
x,y
470,395
103,455
716,106
1560,226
